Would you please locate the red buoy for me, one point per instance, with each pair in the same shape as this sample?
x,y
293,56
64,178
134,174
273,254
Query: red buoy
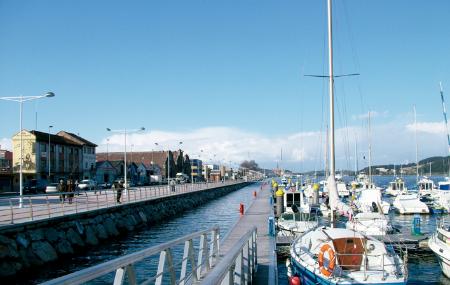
x,y
294,280
241,208
254,193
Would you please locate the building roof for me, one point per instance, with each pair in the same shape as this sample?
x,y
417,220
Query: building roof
x,y
76,138
159,157
54,139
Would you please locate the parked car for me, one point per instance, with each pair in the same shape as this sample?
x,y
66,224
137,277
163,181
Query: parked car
x,y
104,185
51,188
87,184
34,186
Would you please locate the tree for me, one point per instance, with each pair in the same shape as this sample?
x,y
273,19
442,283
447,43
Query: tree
x,y
172,166
180,162
187,166
252,165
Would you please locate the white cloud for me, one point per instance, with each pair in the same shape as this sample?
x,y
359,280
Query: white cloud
x,y
5,143
437,128
373,114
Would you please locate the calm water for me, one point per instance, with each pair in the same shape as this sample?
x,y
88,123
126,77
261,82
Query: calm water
x,y
223,212
423,268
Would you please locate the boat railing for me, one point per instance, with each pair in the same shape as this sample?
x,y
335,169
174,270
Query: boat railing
x,y
26,208
239,265
365,266
191,268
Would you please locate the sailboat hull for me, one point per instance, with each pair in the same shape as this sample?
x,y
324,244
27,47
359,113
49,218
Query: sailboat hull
x,y
309,278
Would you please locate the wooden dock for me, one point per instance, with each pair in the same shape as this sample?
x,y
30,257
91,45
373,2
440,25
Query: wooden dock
x,y
257,215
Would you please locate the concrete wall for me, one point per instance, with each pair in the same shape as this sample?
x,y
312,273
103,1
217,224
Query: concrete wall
x,y
33,244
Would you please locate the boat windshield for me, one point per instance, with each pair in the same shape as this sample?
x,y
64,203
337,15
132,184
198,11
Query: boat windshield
x,y
349,252
297,217
292,198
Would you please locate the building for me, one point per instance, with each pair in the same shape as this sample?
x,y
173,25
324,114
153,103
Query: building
x,y
62,159
105,172
156,158
6,174
87,151
196,169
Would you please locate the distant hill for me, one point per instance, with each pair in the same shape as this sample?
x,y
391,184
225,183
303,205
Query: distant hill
x,y
439,166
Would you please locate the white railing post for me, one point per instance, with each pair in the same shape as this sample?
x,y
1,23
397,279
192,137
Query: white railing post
x,y
48,206
12,211
188,256
31,207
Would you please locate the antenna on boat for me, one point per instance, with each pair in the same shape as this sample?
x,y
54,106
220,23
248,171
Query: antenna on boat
x,y
444,111
417,151
370,151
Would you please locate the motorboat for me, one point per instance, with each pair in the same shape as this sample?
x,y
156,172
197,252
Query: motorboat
x,y
370,200
410,204
396,187
344,256
293,224
296,217
439,243
370,223
426,187
441,196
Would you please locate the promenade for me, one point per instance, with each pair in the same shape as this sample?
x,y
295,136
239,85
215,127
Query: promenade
x,y
46,206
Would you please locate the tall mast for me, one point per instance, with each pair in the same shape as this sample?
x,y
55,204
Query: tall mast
x,y
356,158
331,86
370,152
444,111
417,151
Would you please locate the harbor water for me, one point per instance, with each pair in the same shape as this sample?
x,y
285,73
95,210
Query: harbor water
x,y
423,267
223,212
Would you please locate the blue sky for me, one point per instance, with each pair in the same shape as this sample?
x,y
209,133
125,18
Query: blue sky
x,y
228,70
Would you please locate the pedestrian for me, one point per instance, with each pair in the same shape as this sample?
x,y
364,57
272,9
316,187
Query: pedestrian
x,y
119,186
62,190
70,189
172,185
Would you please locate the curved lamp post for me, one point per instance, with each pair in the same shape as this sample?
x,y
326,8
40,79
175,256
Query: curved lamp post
x,y
125,132
20,100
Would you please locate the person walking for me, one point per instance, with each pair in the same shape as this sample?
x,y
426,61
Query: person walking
x,y
70,189
119,186
62,190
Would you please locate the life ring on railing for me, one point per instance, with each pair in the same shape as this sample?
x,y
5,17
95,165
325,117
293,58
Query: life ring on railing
x,y
326,270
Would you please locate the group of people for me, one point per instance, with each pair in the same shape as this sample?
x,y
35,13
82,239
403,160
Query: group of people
x,y
67,189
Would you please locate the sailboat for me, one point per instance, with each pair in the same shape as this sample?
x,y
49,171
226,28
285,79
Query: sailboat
x,y
439,241
329,255
407,202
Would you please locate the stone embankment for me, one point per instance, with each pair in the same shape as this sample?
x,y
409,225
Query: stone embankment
x,y
33,244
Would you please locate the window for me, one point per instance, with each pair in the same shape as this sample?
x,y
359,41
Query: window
x,y
43,147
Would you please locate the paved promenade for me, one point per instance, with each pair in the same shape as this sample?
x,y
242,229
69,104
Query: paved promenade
x,y
257,215
40,207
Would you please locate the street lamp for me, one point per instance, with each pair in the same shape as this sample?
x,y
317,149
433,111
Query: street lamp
x,y
20,100
125,132
48,152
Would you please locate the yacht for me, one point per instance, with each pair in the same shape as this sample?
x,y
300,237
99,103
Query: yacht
x,y
396,187
296,217
370,200
344,256
439,243
410,204
426,187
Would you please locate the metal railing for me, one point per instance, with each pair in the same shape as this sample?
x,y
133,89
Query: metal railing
x,y
239,265
45,206
192,269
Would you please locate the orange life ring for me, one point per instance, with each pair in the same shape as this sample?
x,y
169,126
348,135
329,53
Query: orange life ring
x,y
332,261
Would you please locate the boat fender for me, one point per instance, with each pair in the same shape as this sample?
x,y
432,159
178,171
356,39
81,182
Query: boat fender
x,y
294,280
326,270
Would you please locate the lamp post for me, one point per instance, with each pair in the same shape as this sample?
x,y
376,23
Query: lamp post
x,y
20,100
48,152
107,149
125,132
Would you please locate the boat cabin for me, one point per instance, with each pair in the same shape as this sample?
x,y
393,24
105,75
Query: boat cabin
x,y
349,252
397,185
291,198
426,185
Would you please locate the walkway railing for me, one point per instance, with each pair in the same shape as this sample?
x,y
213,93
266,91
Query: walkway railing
x,y
38,207
190,268
239,265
